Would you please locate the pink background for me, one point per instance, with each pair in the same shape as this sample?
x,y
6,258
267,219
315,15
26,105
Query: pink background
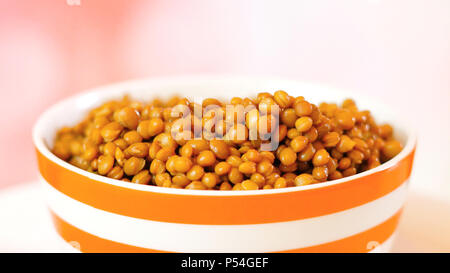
x,y
398,51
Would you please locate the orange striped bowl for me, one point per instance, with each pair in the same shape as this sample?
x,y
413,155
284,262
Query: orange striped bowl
x,y
97,214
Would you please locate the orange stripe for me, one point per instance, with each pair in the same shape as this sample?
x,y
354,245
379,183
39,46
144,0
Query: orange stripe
x,y
357,243
225,210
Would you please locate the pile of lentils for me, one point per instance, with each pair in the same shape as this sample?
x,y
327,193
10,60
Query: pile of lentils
x,y
132,141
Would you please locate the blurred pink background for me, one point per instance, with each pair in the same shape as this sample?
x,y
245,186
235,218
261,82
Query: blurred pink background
x,y
398,51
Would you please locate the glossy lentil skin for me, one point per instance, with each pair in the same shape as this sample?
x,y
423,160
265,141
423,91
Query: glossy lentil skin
x,y
134,142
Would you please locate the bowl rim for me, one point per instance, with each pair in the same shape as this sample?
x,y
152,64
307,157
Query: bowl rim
x,y
41,123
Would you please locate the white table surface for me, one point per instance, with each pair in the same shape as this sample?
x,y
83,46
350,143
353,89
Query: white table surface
x,y
25,224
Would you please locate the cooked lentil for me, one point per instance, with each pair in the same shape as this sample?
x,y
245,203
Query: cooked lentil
x,y
135,142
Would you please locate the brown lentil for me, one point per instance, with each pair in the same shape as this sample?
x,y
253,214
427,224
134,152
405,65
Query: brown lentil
x,y
331,139
182,164
206,158
303,124
349,171
139,149
111,131
127,117
321,157
288,117
299,143
237,187
133,165
116,173
161,178
391,148
222,168
210,180
249,185
288,156
121,143
345,144
235,176
320,173
219,148
132,137
180,180
247,168
142,177
303,108
304,179
345,120
335,175
258,179
195,173
225,186
280,183
195,185
104,164
265,167
307,154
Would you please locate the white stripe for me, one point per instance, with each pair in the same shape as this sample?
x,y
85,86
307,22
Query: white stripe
x,y
225,238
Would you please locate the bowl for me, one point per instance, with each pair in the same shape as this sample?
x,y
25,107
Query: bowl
x,y
98,214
